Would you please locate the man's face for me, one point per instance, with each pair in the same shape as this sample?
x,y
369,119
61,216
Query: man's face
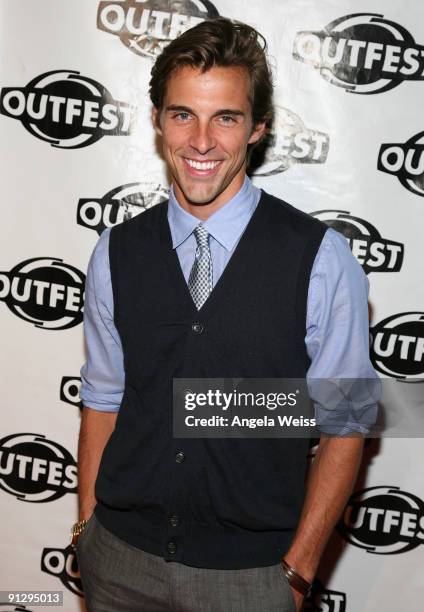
x,y
206,125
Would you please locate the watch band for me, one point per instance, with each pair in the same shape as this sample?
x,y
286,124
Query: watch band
x,y
295,580
76,529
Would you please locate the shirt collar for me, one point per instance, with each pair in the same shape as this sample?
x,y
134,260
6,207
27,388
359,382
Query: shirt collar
x,y
225,225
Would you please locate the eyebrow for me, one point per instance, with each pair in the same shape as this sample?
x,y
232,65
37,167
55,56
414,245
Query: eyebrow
x,y
222,111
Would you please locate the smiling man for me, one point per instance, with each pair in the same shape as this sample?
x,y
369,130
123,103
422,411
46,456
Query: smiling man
x,y
205,144
221,281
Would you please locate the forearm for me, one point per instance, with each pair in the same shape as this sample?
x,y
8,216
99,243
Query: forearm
x,y
331,479
95,430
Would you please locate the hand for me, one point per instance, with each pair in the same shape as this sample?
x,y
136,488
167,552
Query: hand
x,y
298,598
296,579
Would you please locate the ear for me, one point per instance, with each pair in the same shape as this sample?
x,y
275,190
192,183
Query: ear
x,y
156,120
258,132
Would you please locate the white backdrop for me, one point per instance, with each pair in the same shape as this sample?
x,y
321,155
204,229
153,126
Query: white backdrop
x,y
347,147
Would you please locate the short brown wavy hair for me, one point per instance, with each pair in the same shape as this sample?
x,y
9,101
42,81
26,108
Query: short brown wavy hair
x,y
219,42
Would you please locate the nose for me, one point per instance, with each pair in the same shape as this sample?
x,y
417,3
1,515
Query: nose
x,y
202,139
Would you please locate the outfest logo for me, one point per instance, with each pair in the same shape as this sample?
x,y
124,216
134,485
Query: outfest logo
x,y
384,520
44,291
397,346
363,53
322,599
62,563
291,142
147,26
119,204
69,390
35,469
405,161
67,109
374,253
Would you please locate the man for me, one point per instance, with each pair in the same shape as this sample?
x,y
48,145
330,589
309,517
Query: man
x,y
222,281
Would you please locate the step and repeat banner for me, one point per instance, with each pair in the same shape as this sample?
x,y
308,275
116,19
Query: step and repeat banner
x,y
78,155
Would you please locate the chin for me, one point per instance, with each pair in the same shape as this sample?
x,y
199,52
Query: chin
x,y
197,197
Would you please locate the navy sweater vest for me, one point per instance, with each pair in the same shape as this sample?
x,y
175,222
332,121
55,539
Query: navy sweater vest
x,y
225,503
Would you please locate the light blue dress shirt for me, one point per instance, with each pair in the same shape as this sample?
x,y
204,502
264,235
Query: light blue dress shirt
x,y
337,330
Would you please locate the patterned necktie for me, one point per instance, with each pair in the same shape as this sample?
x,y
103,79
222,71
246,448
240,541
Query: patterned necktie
x,y
200,279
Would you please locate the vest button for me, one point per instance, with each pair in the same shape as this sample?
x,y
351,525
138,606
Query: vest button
x,y
179,457
197,328
171,548
174,520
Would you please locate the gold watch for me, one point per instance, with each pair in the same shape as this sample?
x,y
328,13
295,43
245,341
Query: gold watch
x,y
77,528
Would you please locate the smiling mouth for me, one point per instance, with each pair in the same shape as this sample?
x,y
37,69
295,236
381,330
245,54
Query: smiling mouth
x,y
204,167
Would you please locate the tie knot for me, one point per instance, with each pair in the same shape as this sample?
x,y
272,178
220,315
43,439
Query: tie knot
x,y
202,236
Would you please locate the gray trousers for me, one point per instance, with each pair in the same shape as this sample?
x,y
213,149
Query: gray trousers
x,y
118,577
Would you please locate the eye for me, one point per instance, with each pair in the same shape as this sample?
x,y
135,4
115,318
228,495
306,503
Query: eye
x,y
227,119
182,116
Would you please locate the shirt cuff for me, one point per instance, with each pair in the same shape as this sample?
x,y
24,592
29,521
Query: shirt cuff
x,y
346,420
109,403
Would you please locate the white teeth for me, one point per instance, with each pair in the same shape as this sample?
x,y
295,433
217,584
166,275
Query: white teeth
x,y
202,165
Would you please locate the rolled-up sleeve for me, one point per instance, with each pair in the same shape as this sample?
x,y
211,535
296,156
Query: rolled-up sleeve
x,y
342,382
102,375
